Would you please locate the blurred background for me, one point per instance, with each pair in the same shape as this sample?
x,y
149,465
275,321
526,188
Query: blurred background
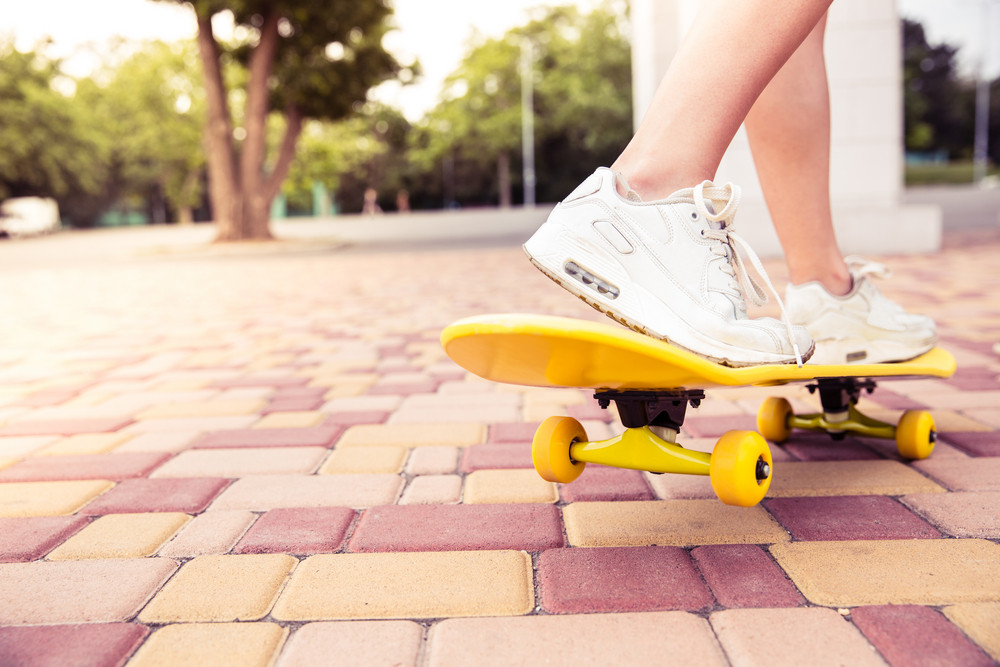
x,y
382,107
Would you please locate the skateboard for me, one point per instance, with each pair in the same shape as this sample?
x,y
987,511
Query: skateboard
x,y
652,384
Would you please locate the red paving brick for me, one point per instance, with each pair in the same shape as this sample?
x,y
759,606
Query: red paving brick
x,y
29,538
300,531
912,636
97,645
717,425
742,575
599,483
458,527
976,443
507,433
848,518
99,466
260,381
356,418
482,457
190,495
292,404
313,436
806,446
620,579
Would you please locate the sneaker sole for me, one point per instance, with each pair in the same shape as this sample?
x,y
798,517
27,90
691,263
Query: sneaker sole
x,y
578,291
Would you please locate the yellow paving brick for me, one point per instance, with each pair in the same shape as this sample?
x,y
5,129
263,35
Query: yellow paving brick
x,y
219,408
220,588
122,536
85,443
929,572
212,645
415,435
847,478
291,419
408,585
5,462
668,522
48,498
364,460
981,622
508,486
190,384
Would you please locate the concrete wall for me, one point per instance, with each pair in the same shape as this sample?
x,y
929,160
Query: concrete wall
x,y
864,65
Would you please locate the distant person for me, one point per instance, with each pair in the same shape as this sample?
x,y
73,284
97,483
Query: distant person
x,y
371,206
403,201
650,241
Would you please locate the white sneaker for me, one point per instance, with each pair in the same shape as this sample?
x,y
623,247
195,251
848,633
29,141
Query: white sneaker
x,y
666,268
862,326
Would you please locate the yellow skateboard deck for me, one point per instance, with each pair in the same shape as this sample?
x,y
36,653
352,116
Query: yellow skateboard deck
x,y
652,383
547,351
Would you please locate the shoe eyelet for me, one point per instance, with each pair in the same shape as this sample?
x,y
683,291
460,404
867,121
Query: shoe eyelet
x,y
694,215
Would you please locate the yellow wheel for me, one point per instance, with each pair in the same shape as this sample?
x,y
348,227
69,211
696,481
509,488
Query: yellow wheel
x,y
740,468
915,435
772,419
550,449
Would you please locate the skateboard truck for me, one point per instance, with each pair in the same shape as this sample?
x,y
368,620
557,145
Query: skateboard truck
x,y
739,467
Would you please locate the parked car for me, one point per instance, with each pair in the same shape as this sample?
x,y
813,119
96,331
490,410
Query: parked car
x,y
27,216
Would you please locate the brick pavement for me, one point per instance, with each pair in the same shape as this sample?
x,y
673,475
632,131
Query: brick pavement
x,y
268,458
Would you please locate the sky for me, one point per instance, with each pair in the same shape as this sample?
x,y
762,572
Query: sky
x,y
435,31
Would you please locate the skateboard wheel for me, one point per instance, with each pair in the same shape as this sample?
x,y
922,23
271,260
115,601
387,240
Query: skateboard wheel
x,y
741,467
772,419
915,434
550,449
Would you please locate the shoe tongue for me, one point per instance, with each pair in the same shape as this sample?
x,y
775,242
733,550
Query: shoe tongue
x,y
714,224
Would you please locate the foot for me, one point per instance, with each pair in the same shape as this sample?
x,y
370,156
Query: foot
x,y
862,326
666,268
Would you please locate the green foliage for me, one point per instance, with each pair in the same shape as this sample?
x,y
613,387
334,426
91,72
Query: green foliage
x,y
51,146
582,96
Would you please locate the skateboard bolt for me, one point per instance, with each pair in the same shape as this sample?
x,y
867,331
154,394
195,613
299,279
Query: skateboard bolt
x,y
763,470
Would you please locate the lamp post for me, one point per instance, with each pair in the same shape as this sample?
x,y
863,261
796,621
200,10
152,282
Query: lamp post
x,y
528,122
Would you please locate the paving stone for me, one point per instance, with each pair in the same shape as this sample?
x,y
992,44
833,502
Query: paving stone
x,y
99,466
212,408
675,487
620,579
977,474
316,436
960,514
604,483
978,620
414,435
806,636
29,538
508,486
121,536
716,425
84,591
212,645
915,635
23,499
848,478
159,441
85,443
806,446
848,574
432,490
290,419
484,457
190,496
266,492
371,459
64,426
260,381
516,432
294,404
219,589
656,638
668,522
242,462
354,403
977,443
432,461
19,446
191,424
457,527
849,518
355,643
357,417
408,586
742,575
298,531
209,533
96,645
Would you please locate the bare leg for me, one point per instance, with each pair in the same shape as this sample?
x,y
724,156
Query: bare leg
x,y
724,63
789,131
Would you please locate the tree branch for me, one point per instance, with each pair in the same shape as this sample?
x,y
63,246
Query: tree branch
x,y
261,66
293,128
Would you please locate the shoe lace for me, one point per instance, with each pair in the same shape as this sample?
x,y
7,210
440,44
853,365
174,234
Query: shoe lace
x,y
727,199
861,267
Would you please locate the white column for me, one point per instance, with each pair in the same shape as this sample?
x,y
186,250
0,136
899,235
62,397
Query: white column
x,y
864,64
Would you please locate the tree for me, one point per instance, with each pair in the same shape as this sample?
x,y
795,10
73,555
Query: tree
x,y
51,146
583,107
304,59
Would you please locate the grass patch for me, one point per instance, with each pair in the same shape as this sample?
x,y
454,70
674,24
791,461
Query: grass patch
x,y
939,174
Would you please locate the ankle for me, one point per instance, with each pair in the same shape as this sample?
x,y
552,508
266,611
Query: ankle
x,y
835,278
